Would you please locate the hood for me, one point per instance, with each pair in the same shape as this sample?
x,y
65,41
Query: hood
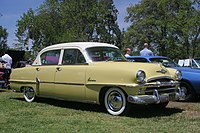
x,y
151,70
188,69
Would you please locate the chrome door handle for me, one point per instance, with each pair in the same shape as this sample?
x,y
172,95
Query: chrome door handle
x,y
59,69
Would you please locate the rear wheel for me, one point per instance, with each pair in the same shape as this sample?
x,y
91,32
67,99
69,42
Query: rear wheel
x,y
189,94
29,94
115,102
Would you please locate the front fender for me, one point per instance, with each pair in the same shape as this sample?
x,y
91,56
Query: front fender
x,y
192,79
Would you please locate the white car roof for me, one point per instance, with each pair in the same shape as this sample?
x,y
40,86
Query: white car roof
x,y
81,45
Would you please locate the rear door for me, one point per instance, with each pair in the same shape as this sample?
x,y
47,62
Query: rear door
x,y
70,75
45,73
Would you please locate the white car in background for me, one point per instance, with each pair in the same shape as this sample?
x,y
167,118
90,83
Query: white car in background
x,y
194,63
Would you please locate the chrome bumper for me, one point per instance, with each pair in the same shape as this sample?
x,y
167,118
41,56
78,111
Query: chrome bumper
x,y
155,98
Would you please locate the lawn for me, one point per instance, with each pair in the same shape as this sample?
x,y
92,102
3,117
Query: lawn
x,y
55,116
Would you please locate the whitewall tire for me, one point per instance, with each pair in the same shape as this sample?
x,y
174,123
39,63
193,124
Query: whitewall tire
x,y
29,94
115,102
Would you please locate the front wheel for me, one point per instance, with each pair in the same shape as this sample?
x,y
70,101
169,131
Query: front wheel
x,y
189,94
29,94
115,102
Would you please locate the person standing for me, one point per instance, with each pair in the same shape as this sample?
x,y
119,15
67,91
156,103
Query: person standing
x,y
7,70
146,51
128,52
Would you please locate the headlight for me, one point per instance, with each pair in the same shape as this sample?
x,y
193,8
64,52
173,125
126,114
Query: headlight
x,y
140,76
178,75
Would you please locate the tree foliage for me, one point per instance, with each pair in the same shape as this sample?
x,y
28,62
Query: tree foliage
x,y
172,27
58,21
3,38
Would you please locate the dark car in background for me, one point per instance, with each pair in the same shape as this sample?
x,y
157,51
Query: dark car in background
x,y
20,64
190,82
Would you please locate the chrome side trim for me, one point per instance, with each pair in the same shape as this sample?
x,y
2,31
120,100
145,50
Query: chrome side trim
x,y
64,83
23,81
37,82
69,83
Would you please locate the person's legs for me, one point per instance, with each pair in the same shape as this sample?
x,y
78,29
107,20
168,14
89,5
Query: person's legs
x,y
8,76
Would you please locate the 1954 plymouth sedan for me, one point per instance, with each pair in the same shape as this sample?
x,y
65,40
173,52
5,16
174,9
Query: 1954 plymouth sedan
x,y
96,73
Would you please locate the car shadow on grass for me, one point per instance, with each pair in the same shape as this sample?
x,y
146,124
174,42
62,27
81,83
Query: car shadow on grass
x,y
146,111
3,90
136,111
195,100
67,104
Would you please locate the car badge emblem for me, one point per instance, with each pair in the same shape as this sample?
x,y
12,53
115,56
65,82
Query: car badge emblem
x,y
162,71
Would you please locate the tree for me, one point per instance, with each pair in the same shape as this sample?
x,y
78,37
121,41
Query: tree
x,y
3,38
59,21
187,27
166,24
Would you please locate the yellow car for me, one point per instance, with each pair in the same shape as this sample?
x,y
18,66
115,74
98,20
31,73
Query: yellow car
x,y
96,73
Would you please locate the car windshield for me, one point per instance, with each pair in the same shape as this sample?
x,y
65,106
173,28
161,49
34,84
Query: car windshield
x,y
198,61
105,54
165,62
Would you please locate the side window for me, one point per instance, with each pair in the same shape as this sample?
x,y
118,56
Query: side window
x,y
72,56
50,57
80,58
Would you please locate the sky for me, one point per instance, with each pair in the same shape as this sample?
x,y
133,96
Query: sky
x,y
11,10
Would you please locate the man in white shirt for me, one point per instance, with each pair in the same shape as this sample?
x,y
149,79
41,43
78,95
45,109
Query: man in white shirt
x,y
146,51
7,71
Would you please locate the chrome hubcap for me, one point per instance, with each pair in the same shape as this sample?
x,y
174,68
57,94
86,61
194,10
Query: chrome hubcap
x,y
184,91
29,93
115,101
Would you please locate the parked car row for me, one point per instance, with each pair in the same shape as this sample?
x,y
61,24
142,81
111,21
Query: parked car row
x,y
96,73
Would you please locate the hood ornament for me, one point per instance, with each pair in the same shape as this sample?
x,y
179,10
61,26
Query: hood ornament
x,y
163,70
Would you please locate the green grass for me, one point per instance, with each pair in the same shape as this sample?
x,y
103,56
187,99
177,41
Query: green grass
x,y
55,116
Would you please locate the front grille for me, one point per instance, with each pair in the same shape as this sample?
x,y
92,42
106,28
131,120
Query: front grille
x,y
159,79
167,88
163,89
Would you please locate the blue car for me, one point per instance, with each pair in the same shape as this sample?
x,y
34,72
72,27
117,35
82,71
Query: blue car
x,y
190,82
